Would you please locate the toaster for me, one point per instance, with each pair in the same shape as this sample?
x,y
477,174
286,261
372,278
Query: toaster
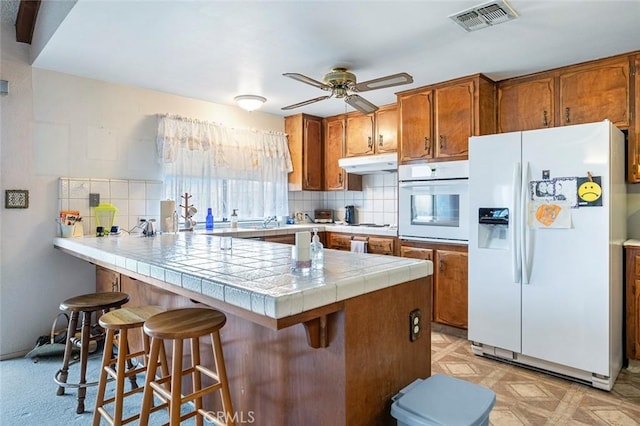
x,y
323,216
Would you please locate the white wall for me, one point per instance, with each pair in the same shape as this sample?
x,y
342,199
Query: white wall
x,y
56,125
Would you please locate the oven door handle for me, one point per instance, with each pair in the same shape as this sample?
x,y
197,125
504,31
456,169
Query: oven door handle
x,y
431,183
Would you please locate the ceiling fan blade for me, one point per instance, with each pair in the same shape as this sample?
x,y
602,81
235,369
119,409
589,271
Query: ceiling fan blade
x,y
308,80
303,103
382,82
361,104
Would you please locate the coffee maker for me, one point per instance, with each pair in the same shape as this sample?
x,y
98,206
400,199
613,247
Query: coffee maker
x,y
350,215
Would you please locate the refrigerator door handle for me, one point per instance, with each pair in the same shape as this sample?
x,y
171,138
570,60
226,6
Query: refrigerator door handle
x,y
523,225
515,201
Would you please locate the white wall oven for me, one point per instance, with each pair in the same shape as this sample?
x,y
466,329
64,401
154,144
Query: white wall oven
x,y
433,201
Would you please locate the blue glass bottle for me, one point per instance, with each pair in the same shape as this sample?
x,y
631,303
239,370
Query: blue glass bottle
x,y
209,223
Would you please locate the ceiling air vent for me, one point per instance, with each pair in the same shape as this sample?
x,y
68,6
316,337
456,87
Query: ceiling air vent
x,y
484,15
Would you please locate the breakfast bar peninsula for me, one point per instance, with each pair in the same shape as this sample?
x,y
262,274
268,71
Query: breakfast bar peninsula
x,y
330,347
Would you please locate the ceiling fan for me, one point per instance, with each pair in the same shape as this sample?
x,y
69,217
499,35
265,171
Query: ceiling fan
x,y
342,84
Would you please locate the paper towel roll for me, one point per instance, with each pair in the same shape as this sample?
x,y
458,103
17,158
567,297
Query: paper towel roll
x,y
167,207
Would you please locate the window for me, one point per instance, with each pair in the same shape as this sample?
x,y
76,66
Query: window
x,y
224,168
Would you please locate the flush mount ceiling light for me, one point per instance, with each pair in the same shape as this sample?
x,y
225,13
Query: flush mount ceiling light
x,y
250,102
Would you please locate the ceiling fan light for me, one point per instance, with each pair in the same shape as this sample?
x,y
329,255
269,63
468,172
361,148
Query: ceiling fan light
x,y
250,102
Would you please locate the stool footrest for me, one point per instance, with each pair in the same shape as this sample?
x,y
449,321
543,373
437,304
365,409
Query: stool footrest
x,y
113,373
212,374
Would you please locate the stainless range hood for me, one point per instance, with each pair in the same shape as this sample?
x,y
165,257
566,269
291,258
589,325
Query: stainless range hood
x,y
370,164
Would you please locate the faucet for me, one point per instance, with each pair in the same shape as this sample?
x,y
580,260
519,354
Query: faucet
x,y
149,228
270,219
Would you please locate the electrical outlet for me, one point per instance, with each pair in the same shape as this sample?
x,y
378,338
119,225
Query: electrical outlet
x,y
94,200
415,325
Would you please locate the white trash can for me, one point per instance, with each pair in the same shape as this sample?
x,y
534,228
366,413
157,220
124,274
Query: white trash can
x,y
443,400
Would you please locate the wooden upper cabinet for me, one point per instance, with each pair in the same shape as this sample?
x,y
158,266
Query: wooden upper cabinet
x,y
437,121
305,146
416,118
596,92
386,136
335,178
360,134
454,120
375,133
526,105
633,146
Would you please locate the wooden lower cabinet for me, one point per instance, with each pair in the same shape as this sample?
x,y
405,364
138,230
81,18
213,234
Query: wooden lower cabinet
x,y
632,294
450,279
107,280
375,244
381,245
337,241
284,239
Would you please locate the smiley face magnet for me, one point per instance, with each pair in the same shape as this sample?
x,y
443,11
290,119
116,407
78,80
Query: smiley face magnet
x,y
589,191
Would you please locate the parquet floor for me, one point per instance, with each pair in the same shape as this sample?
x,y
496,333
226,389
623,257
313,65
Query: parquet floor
x,y
525,397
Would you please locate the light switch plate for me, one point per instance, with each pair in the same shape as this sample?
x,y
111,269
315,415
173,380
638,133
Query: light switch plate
x,y
94,200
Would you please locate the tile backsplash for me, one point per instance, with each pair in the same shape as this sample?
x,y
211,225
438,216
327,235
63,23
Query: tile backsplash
x,y
376,203
134,199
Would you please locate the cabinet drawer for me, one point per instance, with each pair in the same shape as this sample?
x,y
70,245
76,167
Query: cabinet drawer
x,y
378,245
339,241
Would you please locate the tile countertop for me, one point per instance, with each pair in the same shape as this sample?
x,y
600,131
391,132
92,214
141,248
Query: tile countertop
x,y
257,231
631,242
254,275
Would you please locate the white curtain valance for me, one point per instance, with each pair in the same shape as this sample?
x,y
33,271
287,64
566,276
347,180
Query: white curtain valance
x,y
224,168
227,150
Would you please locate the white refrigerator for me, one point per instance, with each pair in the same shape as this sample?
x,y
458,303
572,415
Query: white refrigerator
x,y
547,223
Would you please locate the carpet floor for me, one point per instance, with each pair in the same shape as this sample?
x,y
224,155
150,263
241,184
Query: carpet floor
x,y
28,395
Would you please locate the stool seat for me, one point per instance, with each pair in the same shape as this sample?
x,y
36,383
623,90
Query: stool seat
x,y
185,323
129,317
94,301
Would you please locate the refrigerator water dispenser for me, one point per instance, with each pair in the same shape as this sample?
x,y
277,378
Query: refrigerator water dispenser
x,y
493,229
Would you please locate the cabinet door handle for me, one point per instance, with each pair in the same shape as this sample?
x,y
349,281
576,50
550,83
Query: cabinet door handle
x,y
370,142
340,178
545,121
380,141
441,265
567,117
427,145
443,141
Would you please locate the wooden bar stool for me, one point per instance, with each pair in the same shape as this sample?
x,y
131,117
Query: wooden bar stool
x,y
177,325
86,304
121,321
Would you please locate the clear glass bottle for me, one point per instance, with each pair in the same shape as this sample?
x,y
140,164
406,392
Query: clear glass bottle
x,y
317,255
175,223
234,218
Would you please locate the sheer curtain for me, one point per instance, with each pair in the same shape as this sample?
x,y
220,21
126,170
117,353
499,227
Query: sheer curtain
x,y
224,168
